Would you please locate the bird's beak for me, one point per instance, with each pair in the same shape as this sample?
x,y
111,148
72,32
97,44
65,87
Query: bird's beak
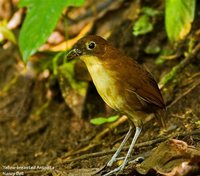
x,y
74,53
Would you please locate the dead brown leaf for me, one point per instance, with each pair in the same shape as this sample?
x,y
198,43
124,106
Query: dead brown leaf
x,y
172,158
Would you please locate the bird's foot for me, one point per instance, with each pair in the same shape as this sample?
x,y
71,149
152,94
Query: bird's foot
x,y
121,167
118,169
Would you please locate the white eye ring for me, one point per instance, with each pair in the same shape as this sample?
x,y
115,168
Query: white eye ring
x,y
91,45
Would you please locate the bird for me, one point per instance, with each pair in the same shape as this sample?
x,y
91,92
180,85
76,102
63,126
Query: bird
x,y
124,85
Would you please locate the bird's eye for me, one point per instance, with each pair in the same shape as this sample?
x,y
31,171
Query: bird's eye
x,y
91,45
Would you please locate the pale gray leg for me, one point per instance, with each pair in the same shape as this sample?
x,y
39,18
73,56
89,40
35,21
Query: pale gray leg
x,y
120,168
137,133
114,157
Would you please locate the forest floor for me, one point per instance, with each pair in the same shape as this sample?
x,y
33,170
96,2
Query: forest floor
x,y
39,129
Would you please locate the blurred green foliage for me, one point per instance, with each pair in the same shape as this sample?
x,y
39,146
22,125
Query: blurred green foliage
x,y
179,14
66,70
41,19
144,24
6,33
152,49
102,120
197,122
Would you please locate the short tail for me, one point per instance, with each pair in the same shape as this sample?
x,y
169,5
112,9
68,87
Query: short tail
x,y
161,116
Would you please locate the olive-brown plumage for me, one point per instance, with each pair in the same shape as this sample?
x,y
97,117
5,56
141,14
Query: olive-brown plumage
x,y
122,83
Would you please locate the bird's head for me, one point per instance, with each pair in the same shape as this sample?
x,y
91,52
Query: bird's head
x,y
87,47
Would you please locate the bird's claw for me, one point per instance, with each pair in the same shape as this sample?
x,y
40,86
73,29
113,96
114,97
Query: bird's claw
x,y
121,167
116,170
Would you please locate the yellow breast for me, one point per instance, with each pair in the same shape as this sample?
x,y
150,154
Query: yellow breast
x,y
104,82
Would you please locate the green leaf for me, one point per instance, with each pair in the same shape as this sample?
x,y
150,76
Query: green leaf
x,y
7,33
112,118
25,3
142,26
150,11
98,121
40,21
179,14
102,120
150,49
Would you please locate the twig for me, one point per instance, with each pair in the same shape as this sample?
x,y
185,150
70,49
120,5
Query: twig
x,y
142,144
176,69
183,94
171,57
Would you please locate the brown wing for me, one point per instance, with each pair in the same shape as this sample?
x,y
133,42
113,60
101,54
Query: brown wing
x,y
143,84
148,90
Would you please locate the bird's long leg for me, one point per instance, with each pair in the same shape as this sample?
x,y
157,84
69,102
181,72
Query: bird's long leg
x,y
114,157
137,133
120,168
